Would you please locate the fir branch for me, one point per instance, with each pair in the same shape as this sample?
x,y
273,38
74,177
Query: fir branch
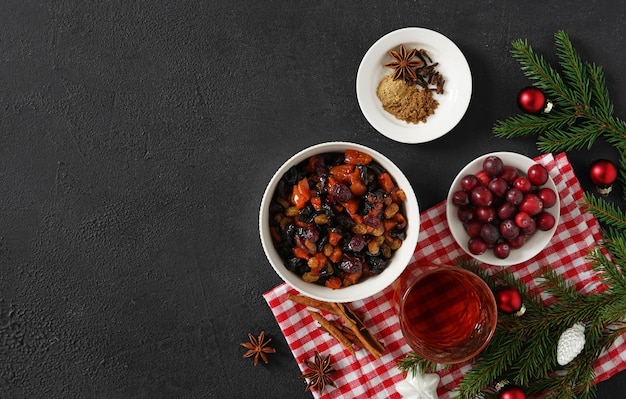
x,y
528,124
577,381
560,289
472,265
578,137
583,110
600,92
622,171
501,353
614,129
573,68
566,314
604,211
537,360
538,70
414,363
609,271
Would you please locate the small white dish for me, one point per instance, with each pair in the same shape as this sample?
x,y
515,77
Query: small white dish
x,y
452,66
535,243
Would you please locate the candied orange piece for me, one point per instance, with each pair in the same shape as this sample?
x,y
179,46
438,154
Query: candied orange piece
x,y
354,157
342,172
385,181
333,282
301,194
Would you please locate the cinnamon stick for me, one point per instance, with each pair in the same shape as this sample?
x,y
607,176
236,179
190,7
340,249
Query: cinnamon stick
x,y
358,328
314,303
345,331
317,304
332,330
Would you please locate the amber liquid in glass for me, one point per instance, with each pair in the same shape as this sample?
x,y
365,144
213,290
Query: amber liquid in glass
x,y
442,310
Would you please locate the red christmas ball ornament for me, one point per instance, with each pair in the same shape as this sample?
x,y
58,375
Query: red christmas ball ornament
x,y
532,100
511,392
509,301
603,173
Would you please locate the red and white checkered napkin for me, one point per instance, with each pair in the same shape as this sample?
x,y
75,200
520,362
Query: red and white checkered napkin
x,y
363,376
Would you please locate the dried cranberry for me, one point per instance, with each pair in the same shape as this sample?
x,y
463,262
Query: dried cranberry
x,y
341,192
356,243
350,264
372,221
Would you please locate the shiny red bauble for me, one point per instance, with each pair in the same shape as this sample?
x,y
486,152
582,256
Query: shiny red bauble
x,y
603,173
509,300
531,100
511,392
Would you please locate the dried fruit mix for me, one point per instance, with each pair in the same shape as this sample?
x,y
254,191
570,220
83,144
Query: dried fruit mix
x,y
337,218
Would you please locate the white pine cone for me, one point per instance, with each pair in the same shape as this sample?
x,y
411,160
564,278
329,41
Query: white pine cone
x,y
571,343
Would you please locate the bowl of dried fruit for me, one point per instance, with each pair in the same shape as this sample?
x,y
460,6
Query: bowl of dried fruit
x,y
414,85
503,208
339,221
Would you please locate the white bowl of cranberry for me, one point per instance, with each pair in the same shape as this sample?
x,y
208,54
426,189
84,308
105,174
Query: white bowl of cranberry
x,y
339,221
503,208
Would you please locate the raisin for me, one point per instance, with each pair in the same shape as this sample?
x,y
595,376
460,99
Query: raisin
x,y
377,264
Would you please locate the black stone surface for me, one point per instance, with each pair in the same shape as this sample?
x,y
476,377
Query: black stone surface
x,y
137,137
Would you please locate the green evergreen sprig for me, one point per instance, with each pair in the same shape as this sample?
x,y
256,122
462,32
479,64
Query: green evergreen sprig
x,y
523,349
583,110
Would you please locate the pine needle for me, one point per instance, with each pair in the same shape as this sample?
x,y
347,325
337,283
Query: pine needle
x,y
578,137
528,124
604,211
573,69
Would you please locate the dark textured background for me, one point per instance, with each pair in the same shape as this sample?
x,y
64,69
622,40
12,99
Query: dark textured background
x,y
137,137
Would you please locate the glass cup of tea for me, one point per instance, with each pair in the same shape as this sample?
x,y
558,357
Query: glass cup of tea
x,y
447,314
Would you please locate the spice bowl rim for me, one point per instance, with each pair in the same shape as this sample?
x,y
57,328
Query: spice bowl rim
x,y
453,103
535,243
370,286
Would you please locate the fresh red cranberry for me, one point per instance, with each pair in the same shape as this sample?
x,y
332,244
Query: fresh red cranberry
x,y
547,196
522,220
502,250
477,246
545,221
493,166
481,196
498,187
468,182
523,184
531,204
508,229
537,174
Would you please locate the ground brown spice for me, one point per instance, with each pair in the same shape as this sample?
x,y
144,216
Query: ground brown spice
x,y
406,101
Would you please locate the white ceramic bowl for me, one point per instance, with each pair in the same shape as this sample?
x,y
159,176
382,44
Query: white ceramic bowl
x,y
371,285
534,244
452,103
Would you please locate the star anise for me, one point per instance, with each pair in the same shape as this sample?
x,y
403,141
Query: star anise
x,y
258,348
404,64
318,374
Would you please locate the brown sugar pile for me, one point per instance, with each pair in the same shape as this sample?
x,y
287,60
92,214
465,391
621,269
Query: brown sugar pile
x,y
406,102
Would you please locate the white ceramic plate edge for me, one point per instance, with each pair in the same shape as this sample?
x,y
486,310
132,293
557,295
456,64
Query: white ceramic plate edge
x,y
453,103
